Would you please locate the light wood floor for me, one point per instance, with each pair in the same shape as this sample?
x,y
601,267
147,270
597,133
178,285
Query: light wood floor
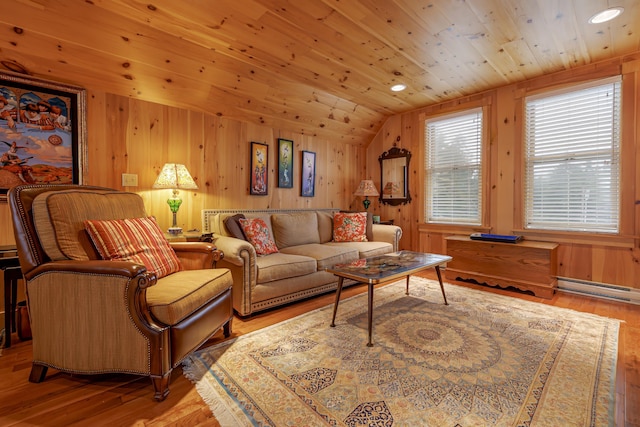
x,y
124,400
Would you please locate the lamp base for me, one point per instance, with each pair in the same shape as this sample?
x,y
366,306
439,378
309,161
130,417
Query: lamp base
x,y
175,230
366,202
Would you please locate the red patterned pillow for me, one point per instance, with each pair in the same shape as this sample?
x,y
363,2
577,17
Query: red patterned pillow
x,y
350,227
258,235
139,240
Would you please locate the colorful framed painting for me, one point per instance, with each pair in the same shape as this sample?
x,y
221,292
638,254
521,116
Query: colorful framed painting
x,y
308,187
285,163
259,169
42,132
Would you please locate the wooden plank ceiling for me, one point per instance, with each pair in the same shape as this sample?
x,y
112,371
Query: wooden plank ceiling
x,y
317,67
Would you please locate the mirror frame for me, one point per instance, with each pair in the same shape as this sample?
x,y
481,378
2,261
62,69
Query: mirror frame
x,y
395,153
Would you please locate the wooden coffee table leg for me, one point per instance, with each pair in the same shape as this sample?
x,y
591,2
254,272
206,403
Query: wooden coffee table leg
x,y
407,291
370,316
335,306
441,285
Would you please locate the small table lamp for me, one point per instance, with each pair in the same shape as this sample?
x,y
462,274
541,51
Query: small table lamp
x,y
175,176
366,188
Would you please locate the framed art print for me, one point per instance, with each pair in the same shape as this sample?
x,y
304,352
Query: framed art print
x,y
259,169
285,163
308,176
42,132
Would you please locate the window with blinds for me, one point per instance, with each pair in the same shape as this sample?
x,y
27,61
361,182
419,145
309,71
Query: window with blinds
x,y
454,169
572,159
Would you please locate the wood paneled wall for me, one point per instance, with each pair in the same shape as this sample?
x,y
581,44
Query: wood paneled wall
x,y
598,258
132,136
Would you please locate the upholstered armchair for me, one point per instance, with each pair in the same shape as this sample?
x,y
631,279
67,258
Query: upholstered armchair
x,y
91,315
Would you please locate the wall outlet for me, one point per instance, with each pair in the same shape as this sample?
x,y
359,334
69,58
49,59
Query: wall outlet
x,y
129,180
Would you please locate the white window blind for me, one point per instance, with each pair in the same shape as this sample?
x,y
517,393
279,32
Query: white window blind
x,y
572,159
453,169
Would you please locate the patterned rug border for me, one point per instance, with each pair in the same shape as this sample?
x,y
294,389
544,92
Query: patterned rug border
x,y
230,412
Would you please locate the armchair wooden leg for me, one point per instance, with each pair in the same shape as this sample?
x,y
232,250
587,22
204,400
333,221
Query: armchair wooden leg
x,y
38,372
161,386
227,328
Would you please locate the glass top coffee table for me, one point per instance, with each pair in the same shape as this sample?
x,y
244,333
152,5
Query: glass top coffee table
x,y
382,269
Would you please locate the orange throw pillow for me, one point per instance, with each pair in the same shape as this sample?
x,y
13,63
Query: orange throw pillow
x,y
138,240
350,227
257,234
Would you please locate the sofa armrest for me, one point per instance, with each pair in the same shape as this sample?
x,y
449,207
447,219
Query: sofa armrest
x,y
241,259
387,233
236,251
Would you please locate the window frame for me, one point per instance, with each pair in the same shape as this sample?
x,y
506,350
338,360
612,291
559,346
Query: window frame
x,y
484,106
588,228
626,237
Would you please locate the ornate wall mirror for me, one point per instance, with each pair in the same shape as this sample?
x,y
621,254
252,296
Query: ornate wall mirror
x,y
394,176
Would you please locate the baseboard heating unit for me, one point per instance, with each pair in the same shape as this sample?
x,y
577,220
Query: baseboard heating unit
x,y
600,290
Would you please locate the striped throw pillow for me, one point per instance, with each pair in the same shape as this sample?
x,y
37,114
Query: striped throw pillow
x,y
139,240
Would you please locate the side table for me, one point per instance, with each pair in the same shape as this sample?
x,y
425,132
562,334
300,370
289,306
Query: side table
x,y
12,273
188,236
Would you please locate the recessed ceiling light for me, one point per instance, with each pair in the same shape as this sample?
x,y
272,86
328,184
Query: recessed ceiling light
x,y
606,15
399,87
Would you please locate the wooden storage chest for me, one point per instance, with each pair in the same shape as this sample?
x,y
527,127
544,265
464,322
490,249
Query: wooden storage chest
x,y
526,265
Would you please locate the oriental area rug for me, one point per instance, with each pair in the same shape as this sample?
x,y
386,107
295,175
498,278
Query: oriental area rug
x,y
482,360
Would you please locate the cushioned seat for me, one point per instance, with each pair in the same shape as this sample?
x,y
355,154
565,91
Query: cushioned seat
x,y
365,249
179,295
326,256
281,265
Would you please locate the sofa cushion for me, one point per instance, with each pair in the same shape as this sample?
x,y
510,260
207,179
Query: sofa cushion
x,y
179,295
283,266
325,226
366,249
258,235
59,217
349,227
138,240
326,256
295,229
232,224
215,223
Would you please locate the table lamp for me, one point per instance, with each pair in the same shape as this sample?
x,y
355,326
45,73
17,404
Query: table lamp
x,y
175,177
366,188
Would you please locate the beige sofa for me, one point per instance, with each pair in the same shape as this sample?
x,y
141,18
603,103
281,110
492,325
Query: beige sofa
x,y
305,250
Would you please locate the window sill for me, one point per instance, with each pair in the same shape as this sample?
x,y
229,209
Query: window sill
x,y
595,239
452,228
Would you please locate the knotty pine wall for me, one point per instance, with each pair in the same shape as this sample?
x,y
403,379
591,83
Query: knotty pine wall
x,y
592,257
132,136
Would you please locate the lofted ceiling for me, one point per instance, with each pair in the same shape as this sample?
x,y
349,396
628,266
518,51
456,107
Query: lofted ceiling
x,y
316,67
